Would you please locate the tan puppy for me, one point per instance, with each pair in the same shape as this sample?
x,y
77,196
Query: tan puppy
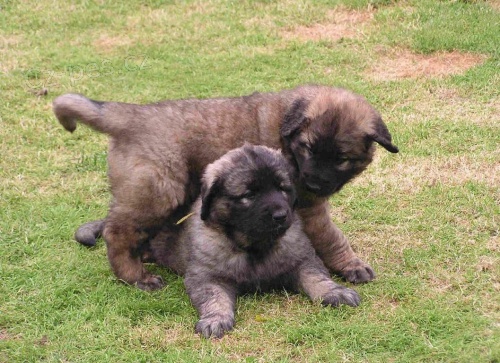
x,y
243,236
158,152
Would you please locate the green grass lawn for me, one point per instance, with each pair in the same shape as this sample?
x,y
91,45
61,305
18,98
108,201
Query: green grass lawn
x,y
427,219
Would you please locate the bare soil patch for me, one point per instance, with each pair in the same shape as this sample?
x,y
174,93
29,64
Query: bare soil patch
x,y
340,24
402,64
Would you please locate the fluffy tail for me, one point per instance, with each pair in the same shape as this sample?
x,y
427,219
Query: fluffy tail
x,y
71,107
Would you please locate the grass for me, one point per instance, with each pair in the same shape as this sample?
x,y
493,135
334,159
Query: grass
x,y
426,219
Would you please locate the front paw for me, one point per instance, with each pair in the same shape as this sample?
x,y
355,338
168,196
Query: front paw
x,y
357,272
341,295
214,326
150,282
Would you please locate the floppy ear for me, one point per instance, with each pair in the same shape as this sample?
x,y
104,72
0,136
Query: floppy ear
x,y
294,118
207,196
382,136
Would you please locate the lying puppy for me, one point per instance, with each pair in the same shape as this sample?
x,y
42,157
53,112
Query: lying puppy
x,y
243,235
157,154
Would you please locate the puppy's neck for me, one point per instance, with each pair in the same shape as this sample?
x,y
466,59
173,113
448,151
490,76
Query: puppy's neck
x,y
305,198
256,249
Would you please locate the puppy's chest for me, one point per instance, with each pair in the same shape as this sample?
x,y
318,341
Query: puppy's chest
x,y
249,268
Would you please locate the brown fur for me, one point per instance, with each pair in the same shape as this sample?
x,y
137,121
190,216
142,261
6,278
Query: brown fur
x,y
158,152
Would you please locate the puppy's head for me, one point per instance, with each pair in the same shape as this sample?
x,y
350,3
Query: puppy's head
x,y
330,134
248,192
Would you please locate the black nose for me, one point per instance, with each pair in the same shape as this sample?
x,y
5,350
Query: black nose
x,y
279,216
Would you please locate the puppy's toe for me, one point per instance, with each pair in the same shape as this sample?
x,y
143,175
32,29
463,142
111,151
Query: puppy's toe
x,y
214,327
150,283
341,295
358,272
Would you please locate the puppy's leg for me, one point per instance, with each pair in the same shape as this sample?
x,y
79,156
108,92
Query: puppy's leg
x,y
215,302
314,280
123,241
143,197
332,246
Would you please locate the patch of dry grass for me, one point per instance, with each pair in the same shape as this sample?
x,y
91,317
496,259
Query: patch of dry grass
x,y
339,23
404,64
417,173
107,43
12,56
447,104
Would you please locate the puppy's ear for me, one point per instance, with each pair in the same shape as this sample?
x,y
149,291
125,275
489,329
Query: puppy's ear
x,y
207,195
382,136
294,118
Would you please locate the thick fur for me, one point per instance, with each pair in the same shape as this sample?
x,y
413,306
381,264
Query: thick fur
x,y
158,152
244,236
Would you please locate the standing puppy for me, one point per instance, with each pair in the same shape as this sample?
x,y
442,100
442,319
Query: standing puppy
x,y
243,235
158,151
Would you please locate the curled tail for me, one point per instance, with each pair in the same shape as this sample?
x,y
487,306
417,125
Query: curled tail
x,y
71,107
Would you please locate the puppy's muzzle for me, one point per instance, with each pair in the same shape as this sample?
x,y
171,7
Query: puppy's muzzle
x,y
312,187
313,183
280,216
321,186
278,212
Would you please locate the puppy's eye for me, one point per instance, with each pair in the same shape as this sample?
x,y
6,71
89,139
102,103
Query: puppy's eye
x,y
247,195
286,188
305,146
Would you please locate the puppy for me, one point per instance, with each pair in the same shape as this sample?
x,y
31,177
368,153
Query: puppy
x,y
158,151
243,235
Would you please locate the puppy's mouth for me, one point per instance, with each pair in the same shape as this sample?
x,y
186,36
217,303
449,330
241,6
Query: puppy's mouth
x,y
312,186
269,232
322,190
279,230
275,230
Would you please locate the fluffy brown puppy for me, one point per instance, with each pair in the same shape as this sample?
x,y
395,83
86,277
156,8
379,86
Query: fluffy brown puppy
x,y
243,235
158,151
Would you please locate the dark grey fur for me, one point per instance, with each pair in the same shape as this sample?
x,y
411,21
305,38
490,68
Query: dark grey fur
x,y
244,236
89,232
